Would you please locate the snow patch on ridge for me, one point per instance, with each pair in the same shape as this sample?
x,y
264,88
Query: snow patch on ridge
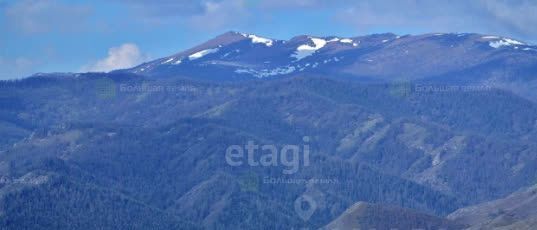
x,y
334,40
306,50
282,70
490,37
349,41
258,39
167,61
343,40
503,42
268,72
202,53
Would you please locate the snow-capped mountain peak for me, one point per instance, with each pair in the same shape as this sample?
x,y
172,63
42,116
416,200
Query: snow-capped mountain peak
x,y
242,55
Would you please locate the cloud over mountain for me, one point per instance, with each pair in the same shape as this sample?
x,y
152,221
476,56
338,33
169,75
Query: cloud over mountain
x,y
123,56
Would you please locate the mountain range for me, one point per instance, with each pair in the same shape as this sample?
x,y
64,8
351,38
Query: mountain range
x,y
418,131
462,58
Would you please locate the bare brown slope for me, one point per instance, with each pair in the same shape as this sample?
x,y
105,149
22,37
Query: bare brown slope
x,y
517,211
364,215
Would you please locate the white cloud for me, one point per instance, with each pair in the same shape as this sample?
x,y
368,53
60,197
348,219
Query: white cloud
x,y
198,14
125,56
18,67
519,16
426,15
295,3
510,18
164,9
38,16
220,14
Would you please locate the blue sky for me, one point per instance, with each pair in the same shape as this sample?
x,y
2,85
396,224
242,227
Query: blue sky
x,y
99,35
